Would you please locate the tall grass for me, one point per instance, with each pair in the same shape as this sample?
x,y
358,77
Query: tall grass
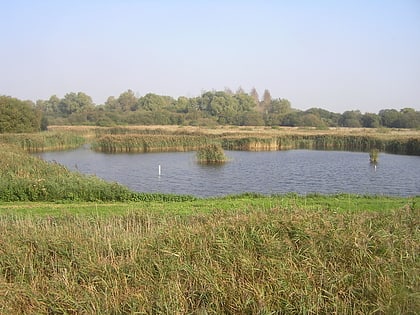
x,y
211,154
149,143
259,260
44,141
147,140
182,138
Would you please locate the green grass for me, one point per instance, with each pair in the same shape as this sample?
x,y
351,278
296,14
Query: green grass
x,y
170,205
241,254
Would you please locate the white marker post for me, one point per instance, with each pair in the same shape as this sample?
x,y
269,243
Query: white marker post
x,y
159,170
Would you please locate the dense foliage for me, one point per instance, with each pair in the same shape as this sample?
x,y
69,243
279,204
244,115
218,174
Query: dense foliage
x,y
18,116
210,108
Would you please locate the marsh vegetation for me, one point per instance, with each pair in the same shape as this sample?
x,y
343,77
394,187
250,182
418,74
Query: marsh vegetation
x,y
211,154
127,252
248,254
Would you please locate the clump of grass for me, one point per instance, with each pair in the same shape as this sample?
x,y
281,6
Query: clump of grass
x,y
261,260
374,156
211,154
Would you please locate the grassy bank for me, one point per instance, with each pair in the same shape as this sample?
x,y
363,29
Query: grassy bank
x,y
24,177
248,254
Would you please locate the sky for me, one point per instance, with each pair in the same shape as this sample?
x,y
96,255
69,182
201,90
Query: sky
x,y
337,55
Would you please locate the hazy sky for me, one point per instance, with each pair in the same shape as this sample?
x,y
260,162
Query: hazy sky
x,y
337,55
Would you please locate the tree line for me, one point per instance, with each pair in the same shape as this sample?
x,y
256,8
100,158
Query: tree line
x,y
210,108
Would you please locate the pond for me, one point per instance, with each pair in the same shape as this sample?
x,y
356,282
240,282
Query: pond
x,y
299,171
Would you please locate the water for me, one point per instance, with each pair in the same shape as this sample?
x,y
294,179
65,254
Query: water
x,y
300,171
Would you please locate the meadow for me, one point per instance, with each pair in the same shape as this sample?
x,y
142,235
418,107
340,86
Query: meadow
x,y
75,244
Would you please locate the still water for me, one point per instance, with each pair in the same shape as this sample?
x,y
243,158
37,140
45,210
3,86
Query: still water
x,y
300,171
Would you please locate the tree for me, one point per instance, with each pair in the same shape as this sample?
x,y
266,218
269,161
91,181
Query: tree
x,y
18,116
255,97
389,118
153,102
370,120
127,101
111,104
409,118
250,118
75,103
266,102
328,118
292,119
351,119
312,120
244,102
279,106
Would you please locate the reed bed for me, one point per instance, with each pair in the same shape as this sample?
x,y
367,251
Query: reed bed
x,y
190,138
186,142
259,260
149,143
44,141
384,133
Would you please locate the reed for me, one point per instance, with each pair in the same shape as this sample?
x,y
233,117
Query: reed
x,y
211,154
44,141
179,138
149,143
252,139
258,260
374,156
